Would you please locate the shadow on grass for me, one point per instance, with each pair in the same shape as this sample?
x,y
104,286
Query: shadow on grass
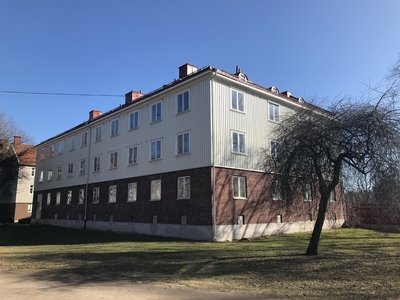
x,y
18,235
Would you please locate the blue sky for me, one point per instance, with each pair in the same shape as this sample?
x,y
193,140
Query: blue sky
x,y
316,49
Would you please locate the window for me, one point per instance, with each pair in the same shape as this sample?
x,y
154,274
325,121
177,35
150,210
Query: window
x,y
81,198
96,195
69,197
307,192
274,148
70,169
182,143
238,142
132,191
239,187
30,207
114,160
132,155
48,199
97,137
51,151
277,190
33,172
112,194
155,190
237,101
58,198
134,120
183,102
31,188
82,167
41,176
84,139
61,147
184,187
50,174
332,196
155,150
96,164
59,172
42,154
156,112
71,143
114,127
273,112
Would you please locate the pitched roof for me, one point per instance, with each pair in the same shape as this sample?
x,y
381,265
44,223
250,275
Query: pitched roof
x,y
26,154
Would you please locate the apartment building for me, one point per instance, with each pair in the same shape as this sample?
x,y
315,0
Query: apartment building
x,y
183,161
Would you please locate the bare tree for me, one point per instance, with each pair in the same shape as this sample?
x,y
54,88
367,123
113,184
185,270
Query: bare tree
x,y
9,165
315,144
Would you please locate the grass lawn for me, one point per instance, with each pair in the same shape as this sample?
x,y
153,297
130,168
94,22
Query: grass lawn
x,y
353,263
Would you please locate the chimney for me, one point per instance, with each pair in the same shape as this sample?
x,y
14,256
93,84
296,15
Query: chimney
x,y
132,96
17,140
186,69
94,114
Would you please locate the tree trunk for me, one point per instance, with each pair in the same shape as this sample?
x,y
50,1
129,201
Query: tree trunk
x,y
319,223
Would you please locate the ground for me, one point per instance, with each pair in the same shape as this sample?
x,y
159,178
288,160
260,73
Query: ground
x,y
23,285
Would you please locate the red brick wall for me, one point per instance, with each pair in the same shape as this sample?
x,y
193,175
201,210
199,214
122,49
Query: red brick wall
x,y
259,206
169,210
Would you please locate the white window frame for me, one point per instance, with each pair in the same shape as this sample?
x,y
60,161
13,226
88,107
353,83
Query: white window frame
x,y
183,102
307,192
180,143
61,147
154,153
70,169
71,143
41,176
96,195
59,172
48,200
84,139
155,190
157,115
114,127
240,136
42,154
183,187
51,150
98,133
235,101
69,197
132,155
30,205
332,196
82,167
49,174
58,198
274,149
113,160
273,112
96,163
112,194
134,120
132,192
81,198
238,192
276,190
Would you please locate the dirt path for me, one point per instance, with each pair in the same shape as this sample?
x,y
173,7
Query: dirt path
x,y
21,286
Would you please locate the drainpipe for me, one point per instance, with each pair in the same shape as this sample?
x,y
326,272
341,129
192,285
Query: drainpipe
x,y
87,179
214,209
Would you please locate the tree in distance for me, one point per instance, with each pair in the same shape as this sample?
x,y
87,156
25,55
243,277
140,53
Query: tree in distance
x,y
315,145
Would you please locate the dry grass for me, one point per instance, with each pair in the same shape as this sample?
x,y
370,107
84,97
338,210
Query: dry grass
x,y
353,264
